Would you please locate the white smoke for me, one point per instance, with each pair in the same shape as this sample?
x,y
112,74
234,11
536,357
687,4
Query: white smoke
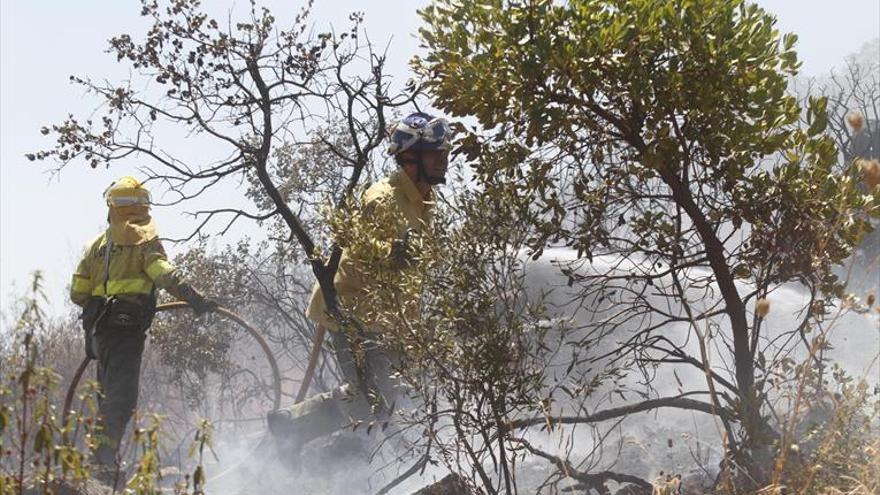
x,y
643,444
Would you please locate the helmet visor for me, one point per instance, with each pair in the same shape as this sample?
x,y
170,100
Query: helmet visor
x,y
121,193
437,131
119,201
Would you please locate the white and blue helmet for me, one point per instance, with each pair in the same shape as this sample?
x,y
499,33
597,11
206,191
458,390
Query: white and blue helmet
x,y
420,132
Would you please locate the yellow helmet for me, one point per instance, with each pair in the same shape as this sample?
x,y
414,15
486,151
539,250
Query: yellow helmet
x,y
127,191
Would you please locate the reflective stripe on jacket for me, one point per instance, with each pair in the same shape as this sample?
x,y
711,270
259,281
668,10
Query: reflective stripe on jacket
x,y
134,272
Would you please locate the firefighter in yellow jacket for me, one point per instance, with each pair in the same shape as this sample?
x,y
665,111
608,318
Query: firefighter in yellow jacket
x,y
420,145
115,283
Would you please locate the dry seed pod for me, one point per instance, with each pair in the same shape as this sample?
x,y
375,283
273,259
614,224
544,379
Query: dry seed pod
x,y
870,172
762,307
856,120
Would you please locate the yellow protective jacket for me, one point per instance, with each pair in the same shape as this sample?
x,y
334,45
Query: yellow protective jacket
x,y
399,196
135,271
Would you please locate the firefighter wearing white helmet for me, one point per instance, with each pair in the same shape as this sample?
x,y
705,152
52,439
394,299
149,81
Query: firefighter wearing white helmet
x,y
115,283
421,141
420,145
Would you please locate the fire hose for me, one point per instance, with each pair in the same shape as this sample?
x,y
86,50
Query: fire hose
x,y
276,374
252,331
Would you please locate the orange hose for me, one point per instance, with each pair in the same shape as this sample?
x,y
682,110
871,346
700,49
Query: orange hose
x,y
317,342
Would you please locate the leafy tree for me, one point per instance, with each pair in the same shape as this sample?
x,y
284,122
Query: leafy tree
x,y
660,135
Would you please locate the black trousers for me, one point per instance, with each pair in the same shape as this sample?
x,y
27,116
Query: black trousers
x,y
119,350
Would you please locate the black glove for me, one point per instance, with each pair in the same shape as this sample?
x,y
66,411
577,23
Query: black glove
x,y
199,304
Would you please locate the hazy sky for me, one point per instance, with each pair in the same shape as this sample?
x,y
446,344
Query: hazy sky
x,y
45,220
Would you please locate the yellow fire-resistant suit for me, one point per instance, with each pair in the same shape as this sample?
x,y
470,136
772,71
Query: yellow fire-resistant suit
x,y
135,271
408,210
326,413
116,288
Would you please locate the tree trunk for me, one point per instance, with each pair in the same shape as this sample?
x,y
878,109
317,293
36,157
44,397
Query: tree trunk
x,y
749,406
